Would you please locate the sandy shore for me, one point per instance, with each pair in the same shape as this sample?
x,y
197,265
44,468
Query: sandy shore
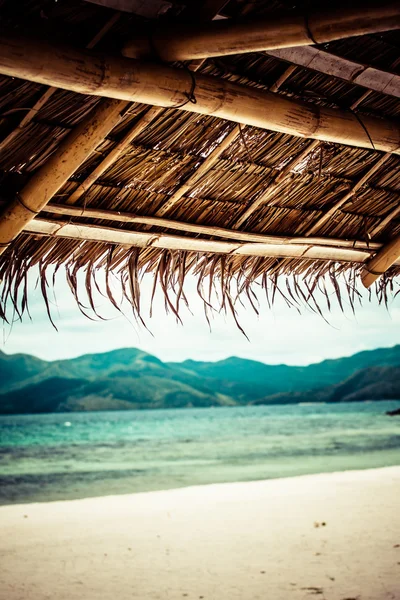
x,y
247,541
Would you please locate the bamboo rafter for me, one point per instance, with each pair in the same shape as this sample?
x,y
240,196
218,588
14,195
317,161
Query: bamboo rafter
x,y
73,150
222,38
232,234
47,94
379,264
168,242
336,66
83,72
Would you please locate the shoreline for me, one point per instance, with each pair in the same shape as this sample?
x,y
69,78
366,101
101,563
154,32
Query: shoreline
x,y
194,487
332,535
31,488
305,404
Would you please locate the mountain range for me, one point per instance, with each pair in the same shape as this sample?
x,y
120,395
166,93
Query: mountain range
x,y
132,379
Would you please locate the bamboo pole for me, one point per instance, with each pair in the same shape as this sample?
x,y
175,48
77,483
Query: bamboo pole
x,y
221,38
159,85
306,251
71,153
385,258
244,236
336,66
281,80
47,94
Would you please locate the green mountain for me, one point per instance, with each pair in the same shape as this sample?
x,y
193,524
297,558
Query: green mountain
x,y
18,367
130,379
372,383
248,379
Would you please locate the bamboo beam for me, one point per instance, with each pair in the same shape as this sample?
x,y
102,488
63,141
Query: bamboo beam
x,y
281,80
46,182
47,94
336,66
243,236
221,38
159,85
385,258
306,251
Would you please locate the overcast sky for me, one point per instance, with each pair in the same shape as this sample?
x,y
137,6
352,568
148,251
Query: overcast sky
x,y
279,335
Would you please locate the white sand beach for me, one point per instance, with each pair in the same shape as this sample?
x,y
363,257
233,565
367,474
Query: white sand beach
x,y
333,536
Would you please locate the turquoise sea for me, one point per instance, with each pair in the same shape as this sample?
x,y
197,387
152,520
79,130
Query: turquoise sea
x,y
76,455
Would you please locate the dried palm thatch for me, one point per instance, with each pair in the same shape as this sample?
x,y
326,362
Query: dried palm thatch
x,y
123,188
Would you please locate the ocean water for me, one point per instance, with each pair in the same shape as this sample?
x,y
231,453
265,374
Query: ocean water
x,y
76,455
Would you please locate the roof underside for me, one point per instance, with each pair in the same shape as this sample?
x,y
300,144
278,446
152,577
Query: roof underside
x,y
240,192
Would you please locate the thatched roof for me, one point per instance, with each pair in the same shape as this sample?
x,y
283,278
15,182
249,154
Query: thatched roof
x,y
174,190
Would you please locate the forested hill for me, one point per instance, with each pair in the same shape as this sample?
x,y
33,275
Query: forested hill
x,y
130,378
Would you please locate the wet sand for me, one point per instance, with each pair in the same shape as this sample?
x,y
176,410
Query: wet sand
x,y
332,536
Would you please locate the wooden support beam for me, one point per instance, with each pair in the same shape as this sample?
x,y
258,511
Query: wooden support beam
x,y
48,180
336,66
385,258
212,231
306,251
47,94
159,85
221,38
